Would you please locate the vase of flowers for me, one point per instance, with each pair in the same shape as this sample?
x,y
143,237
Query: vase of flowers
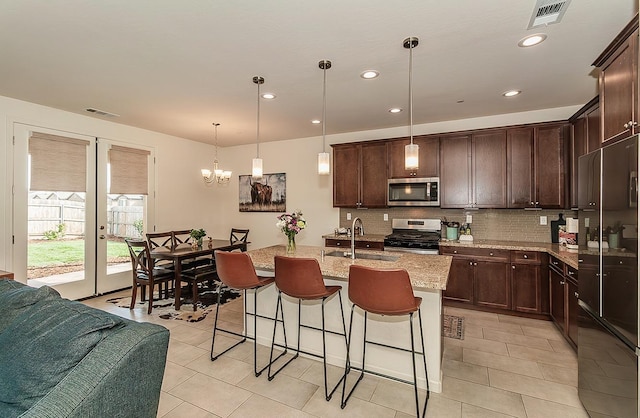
x,y
290,224
197,235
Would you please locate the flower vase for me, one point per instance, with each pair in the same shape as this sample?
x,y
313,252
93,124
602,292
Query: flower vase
x,y
291,244
199,242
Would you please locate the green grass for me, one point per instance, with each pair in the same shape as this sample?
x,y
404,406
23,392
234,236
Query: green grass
x,y
61,252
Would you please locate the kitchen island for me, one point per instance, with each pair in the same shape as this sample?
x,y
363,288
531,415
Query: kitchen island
x,y
428,274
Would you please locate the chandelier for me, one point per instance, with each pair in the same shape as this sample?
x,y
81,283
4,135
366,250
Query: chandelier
x,y
218,175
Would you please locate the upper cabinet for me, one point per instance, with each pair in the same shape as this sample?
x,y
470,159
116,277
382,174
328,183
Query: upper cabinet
x,y
428,157
585,138
536,164
360,175
619,85
473,170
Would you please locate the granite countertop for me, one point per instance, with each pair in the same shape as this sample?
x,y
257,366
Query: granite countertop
x,y
558,251
425,271
366,237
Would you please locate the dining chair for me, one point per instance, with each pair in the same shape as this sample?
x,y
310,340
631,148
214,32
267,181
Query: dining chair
x,y
384,292
161,242
236,271
144,274
238,235
301,278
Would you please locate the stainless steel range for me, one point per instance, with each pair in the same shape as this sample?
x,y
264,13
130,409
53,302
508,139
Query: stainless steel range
x,y
420,236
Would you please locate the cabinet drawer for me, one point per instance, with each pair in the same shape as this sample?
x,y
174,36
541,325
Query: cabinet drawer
x,y
571,272
328,242
556,264
370,245
484,253
519,256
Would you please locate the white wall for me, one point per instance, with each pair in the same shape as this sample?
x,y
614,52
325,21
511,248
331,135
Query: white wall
x,y
182,198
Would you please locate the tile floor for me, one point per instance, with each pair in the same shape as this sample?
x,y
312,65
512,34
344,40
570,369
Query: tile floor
x,y
505,367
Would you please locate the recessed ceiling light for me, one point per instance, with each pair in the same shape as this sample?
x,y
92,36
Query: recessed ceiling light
x,y
395,110
316,121
369,74
532,40
268,96
511,93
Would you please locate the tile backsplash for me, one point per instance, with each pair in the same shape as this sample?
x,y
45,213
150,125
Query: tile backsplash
x,y
494,224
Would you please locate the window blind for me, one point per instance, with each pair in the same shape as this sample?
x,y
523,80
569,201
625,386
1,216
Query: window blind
x,y
129,170
58,163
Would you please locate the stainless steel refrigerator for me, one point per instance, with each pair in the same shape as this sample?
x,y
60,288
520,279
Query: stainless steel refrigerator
x,y
608,280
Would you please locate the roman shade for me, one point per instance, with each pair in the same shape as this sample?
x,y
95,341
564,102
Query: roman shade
x,y
58,163
129,170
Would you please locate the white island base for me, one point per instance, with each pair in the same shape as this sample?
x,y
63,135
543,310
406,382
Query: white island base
x,y
389,330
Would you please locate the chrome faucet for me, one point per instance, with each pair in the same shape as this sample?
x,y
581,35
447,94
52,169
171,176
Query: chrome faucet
x,y
353,236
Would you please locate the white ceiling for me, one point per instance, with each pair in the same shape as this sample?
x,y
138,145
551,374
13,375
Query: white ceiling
x,y
177,66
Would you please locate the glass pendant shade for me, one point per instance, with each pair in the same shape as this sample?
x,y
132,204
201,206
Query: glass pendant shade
x,y
256,168
323,163
411,156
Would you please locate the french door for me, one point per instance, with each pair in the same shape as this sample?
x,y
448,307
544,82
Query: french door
x,y
69,229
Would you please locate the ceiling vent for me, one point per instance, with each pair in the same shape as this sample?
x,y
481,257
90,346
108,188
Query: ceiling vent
x,y
101,112
547,12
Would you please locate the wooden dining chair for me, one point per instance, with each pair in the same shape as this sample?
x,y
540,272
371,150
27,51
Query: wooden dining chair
x,y
181,239
144,274
238,236
159,242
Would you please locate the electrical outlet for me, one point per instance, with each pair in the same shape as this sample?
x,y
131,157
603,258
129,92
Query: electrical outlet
x,y
469,219
586,222
385,217
543,220
348,216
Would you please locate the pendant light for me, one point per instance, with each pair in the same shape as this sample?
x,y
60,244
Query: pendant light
x,y
256,166
218,175
324,164
411,150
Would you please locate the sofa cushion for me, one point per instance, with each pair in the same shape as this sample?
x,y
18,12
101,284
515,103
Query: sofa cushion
x,y
42,345
16,298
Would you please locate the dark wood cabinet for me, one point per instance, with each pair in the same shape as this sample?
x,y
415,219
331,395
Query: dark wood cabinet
x,y
473,170
563,295
460,284
479,276
455,171
589,184
428,157
492,284
557,297
360,175
529,290
359,244
618,85
585,138
536,166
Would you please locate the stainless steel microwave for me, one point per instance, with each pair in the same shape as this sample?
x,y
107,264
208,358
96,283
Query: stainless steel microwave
x,y
414,192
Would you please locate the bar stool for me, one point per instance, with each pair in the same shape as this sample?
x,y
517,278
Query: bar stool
x,y
384,292
301,278
236,271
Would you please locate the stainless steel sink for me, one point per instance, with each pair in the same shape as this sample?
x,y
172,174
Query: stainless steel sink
x,y
362,256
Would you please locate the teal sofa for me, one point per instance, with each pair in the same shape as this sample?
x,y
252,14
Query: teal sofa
x,y
60,358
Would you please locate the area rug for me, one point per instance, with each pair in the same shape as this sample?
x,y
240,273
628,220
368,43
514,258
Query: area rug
x,y
164,308
453,327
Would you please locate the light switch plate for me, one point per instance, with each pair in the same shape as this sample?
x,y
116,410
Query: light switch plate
x,y
348,216
543,220
469,219
385,217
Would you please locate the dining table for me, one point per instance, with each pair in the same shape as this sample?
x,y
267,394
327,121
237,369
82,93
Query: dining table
x,y
186,252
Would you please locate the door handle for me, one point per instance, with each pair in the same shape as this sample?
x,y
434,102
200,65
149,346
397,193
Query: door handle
x,y
102,237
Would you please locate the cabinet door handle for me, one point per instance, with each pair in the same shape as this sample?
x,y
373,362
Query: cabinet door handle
x,y
475,264
555,263
537,203
368,246
525,256
455,251
338,244
513,267
491,254
562,282
471,263
575,294
570,273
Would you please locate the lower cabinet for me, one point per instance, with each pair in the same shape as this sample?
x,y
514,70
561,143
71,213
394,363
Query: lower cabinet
x,y
563,294
495,279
